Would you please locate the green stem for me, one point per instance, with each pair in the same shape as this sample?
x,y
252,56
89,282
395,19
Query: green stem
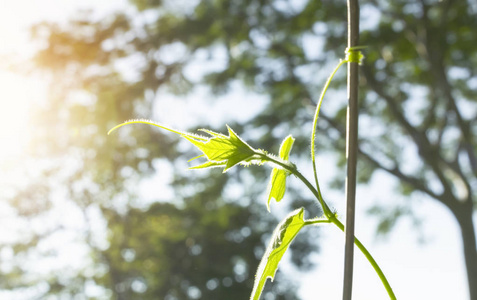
x,y
370,258
315,121
332,218
317,222
292,169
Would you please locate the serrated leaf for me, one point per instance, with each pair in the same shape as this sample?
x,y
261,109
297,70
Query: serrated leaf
x,y
282,237
213,133
277,185
220,148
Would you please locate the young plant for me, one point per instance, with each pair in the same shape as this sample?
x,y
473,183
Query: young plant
x,y
227,151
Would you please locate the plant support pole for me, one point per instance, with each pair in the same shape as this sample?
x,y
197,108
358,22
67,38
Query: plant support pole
x,y
351,148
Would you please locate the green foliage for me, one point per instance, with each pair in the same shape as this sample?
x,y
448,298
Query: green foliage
x,y
227,151
203,249
281,239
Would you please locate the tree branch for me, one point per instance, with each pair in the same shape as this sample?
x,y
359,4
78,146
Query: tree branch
x,y
438,72
416,183
428,152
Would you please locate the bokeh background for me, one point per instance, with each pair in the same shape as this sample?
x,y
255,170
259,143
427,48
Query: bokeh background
x,y
89,216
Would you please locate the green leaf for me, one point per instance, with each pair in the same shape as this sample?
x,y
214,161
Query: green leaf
x,y
282,237
219,149
286,147
277,185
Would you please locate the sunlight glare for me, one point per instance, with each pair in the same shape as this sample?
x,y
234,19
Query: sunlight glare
x,y
17,94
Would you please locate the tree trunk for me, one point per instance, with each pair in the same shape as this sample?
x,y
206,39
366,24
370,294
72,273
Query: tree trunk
x,y
464,216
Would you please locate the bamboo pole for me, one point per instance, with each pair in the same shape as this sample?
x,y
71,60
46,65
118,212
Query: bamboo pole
x,y
351,148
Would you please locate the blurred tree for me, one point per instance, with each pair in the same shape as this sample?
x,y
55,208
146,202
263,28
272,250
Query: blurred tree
x,y
151,251
418,102
199,252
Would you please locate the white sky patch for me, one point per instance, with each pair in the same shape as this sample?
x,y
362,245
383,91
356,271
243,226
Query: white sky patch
x,y
157,187
369,17
434,270
17,93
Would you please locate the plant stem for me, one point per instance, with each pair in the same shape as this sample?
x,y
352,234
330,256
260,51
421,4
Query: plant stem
x,y
370,258
317,222
315,121
340,225
316,192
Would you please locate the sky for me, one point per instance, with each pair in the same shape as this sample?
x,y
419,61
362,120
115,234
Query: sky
x,y
415,270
